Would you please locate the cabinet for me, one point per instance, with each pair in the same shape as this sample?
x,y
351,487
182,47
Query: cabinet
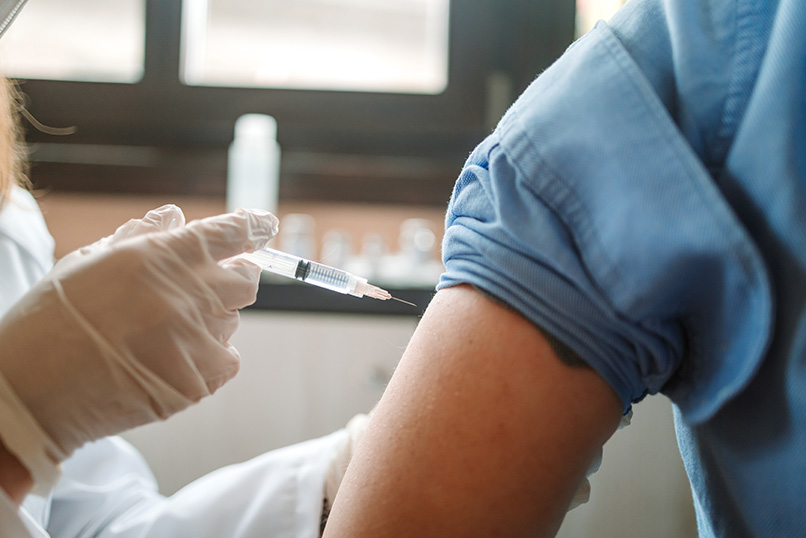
x,y
302,376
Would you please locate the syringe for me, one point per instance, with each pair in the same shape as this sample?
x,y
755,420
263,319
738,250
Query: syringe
x,y
324,276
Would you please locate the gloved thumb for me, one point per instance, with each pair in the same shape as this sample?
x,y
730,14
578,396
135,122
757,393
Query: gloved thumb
x,y
166,217
163,218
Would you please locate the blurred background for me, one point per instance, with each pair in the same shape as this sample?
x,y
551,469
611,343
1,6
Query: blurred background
x,y
362,113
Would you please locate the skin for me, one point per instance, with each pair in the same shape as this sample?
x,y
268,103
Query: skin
x,y
482,431
15,479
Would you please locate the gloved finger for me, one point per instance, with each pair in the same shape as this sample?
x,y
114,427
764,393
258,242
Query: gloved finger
x,y
222,289
228,235
224,286
582,495
241,287
243,267
222,325
231,359
191,353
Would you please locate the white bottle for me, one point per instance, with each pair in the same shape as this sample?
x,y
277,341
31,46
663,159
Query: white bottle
x,y
297,235
253,167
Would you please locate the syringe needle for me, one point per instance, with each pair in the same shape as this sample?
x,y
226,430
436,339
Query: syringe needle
x,y
379,293
402,301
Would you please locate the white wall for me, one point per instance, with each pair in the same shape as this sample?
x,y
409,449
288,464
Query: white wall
x,y
641,489
305,375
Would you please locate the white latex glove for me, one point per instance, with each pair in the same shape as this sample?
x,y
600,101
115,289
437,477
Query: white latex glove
x,y
339,460
341,456
126,331
583,494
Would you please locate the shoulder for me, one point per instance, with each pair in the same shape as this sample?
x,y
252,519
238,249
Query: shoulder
x,y
702,60
591,210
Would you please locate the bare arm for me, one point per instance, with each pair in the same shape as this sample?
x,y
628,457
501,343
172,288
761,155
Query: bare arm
x,y
482,431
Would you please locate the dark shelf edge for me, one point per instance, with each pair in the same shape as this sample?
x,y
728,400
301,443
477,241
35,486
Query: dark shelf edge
x,y
293,297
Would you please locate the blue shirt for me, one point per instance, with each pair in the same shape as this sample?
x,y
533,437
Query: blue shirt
x,y
644,202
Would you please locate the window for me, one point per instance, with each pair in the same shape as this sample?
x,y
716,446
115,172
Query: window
x,y
591,11
378,134
358,45
91,40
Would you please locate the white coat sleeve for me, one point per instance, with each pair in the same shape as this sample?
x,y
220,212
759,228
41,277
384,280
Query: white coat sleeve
x,y
26,247
18,522
26,255
107,491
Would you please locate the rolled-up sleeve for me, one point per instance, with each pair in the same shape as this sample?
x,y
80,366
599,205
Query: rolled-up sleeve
x,y
589,213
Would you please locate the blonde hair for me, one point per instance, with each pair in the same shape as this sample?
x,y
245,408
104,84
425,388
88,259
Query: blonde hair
x,y
13,157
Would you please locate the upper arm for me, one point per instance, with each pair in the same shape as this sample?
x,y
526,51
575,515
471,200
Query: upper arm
x,y
482,431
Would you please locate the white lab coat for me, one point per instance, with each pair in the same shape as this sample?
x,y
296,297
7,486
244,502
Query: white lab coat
x,y
107,489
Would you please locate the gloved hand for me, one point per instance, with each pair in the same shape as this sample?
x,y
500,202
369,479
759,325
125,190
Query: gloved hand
x,y
583,493
126,331
340,458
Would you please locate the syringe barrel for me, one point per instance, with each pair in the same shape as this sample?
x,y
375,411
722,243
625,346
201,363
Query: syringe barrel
x,y
331,278
314,273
